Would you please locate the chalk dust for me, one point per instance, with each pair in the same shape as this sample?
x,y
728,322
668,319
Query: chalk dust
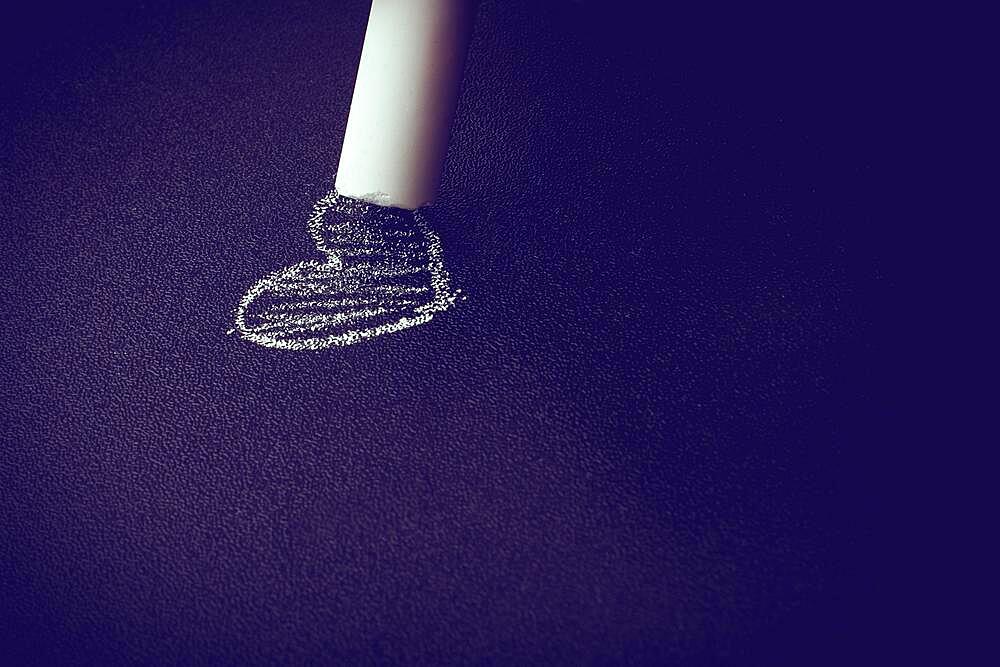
x,y
382,272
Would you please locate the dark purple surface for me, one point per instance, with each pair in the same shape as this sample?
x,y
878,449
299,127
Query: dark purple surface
x,y
641,439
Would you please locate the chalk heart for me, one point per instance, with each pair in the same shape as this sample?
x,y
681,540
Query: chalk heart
x,y
382,273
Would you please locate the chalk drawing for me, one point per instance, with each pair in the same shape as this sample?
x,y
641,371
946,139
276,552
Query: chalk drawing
x,y
382,273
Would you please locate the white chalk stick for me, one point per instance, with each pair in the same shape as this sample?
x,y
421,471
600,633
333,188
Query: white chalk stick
x,y
404,100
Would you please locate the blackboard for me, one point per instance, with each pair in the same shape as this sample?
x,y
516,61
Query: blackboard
x,y
640,438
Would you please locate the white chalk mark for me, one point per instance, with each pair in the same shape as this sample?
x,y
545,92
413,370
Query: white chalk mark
x,y
382,272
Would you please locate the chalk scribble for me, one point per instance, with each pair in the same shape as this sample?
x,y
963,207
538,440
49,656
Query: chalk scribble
x,y
382,272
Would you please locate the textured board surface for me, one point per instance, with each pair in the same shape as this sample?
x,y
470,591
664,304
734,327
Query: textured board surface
x,y
637,440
